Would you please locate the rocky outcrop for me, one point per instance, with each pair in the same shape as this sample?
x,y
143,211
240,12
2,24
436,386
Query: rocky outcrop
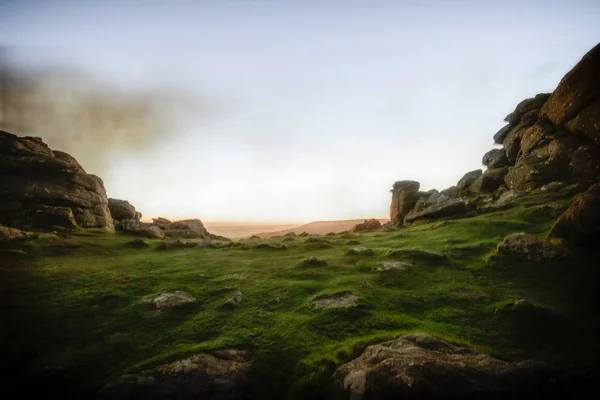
x,y
523,246
136,227
468,179
552,137
217,376
575,103
45,190
433,204
187,229
495,158
580,223
405,195
367,225
121,209
419,366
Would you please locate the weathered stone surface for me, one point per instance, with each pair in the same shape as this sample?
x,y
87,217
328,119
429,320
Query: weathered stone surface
x,y
492,179
234,300
136,227
533,104
44,190
394,265
419,366
577,90
404,197
580,223
428,199
545,163
501,134
217,376
450,192
495,158
448,208
468,179
587,122
174,299
509,196
7,234
187,228
359,251
368,225
161,221
336,300
121,209
524,246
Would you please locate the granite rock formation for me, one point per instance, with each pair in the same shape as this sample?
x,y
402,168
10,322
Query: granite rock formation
x,y
46,190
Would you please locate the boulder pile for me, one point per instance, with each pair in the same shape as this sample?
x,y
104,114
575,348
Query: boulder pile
x,y
551,139
46,190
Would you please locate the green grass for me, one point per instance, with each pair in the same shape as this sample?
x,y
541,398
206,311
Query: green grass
x,y
75,321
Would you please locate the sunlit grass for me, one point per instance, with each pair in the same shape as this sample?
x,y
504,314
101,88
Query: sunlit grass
x,y
75,306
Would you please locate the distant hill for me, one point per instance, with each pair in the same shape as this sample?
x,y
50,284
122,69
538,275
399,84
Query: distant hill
x,y
319,227
241,229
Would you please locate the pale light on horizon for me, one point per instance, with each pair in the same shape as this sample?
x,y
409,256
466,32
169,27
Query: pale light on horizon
x,y
302,111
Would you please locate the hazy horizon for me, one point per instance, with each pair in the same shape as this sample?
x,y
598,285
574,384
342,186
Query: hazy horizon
x,y
280,111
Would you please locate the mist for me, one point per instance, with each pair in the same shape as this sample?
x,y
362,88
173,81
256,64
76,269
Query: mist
x,y
87,116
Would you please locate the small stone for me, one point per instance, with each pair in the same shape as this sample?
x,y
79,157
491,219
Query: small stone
x,y
313,262
174,299
360,251
336,300
234,300
388,266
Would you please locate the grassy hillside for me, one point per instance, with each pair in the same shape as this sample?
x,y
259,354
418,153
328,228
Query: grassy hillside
x,y
75,321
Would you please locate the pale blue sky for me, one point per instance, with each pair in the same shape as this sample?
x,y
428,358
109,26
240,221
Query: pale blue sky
x,y
315,107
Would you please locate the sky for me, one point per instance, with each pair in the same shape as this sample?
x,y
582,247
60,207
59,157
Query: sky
x,y
281,110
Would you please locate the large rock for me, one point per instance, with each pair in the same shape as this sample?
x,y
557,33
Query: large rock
x,y
549,161
533,104
447,208
576,100
495,158
419,366
45,190
468,179
217,376
187,228
121,209
139,228
367,225
405,195
580,223
492,179
428,199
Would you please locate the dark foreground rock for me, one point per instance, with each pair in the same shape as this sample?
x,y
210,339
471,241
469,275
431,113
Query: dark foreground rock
x,y
217,376
45,190
580,223
523,246
419,366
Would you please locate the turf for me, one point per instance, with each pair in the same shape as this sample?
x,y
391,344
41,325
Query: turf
x,y
72,318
